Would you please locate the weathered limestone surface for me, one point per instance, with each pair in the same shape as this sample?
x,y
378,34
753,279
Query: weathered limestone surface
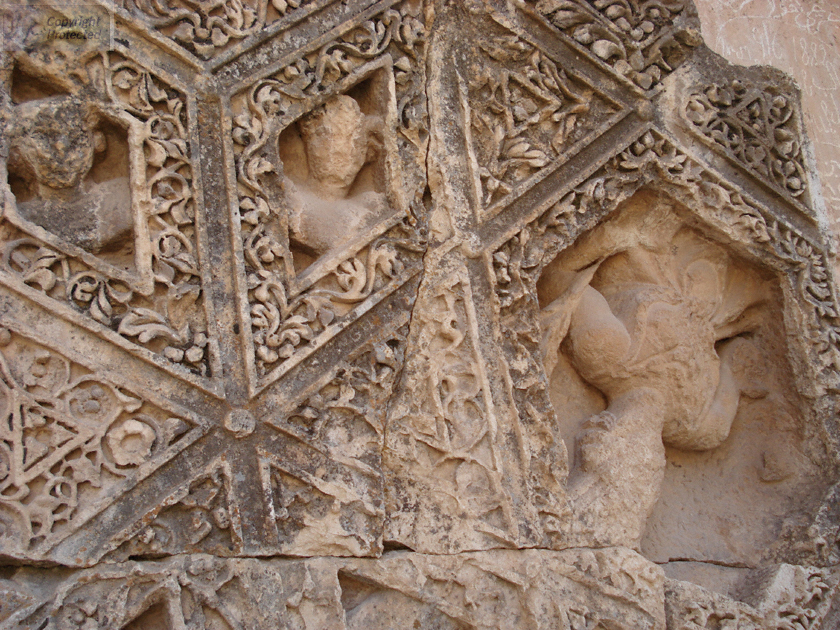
x,y
409,314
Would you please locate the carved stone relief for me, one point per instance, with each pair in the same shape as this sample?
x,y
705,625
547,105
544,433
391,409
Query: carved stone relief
x,y
417,313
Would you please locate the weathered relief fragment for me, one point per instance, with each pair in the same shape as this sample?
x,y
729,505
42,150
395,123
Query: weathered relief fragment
x,y
410,313
269,317
493,589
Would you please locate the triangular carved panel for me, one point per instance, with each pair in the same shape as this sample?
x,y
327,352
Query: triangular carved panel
x,y
642,42
198,518
72,442
756,124
208,30
528,113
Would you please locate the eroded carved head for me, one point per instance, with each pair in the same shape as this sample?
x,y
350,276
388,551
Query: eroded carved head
x,y
335,138
55,142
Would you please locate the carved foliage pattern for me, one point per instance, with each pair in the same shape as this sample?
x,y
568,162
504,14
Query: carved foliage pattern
x,y
527,112
447,436
580,588
343,420
199,594
208,28
497,589
289,317
198,518
284,325
69,440
522,344
508,589
638,40
755,127
346,415
802,600
167,318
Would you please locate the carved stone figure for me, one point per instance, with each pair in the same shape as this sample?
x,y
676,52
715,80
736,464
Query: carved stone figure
x,y
52,149
359,314
325,211
657,319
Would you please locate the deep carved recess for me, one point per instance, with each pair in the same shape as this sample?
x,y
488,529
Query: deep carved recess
x,y
327,152
410,313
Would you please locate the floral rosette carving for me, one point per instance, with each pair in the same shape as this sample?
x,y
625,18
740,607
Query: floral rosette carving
x,y
208,28
69,440
642,41
162,311
757,128
289,314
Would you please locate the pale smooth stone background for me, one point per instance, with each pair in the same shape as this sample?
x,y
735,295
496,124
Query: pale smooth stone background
x,y
802,37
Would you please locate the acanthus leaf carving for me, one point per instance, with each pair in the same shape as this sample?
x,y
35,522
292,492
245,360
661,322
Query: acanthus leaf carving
x,y
294,305
643,42
208,29
152,294
283,327
528,113
442,446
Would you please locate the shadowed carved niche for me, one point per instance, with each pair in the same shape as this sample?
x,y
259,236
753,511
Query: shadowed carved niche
x,y
667,363
325,196
99,204
335,177
69,169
